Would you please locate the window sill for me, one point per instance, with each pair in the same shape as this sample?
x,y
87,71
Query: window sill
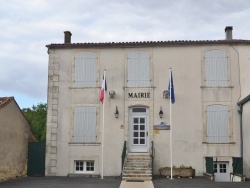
x,y
229,143
146,87
84,144
85,174
84,87
217,87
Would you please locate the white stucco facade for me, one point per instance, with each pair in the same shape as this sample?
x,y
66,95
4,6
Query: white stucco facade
x,y
189,112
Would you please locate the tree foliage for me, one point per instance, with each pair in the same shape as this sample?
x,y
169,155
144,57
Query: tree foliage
x,y
37,119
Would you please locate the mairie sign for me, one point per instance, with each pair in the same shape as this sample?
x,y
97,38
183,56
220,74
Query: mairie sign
x,y
139,95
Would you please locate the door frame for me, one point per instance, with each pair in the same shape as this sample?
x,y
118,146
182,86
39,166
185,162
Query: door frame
x,y
138,149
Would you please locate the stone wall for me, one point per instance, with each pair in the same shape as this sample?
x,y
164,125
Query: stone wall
x,y
14,131
13,170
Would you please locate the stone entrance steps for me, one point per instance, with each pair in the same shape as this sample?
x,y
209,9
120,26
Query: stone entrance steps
x,y
137,167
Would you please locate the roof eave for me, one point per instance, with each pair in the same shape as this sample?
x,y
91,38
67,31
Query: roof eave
x,y
244,100
148,44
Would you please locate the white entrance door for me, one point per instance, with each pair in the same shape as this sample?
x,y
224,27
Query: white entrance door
x,y
138,130
221,171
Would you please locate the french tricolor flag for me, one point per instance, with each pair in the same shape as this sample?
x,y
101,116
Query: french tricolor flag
x,y
103,88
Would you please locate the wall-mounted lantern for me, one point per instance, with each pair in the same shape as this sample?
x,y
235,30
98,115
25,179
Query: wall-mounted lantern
x,y
116,112
161,113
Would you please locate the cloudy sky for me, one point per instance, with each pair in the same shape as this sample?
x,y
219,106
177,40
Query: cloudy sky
x,y
26,26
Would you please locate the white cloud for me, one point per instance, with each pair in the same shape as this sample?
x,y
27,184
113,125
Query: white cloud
x,y
27,26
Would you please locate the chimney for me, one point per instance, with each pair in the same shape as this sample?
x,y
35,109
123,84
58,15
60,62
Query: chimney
x,y
229,32
67,37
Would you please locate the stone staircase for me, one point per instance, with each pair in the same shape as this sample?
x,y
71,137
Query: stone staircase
x,y
137,167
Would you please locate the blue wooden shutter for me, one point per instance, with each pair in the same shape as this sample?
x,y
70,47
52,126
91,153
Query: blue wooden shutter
x,y
85,69
218,124
216,73
138,69
85,124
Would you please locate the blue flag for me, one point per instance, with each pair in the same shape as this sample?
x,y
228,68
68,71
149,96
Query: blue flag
x,y
172,88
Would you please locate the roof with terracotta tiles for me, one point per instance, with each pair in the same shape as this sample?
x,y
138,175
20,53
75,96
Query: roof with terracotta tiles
x,y
150,43
4,101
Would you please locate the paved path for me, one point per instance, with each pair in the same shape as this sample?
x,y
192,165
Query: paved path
x,y
146,184
196,182
115,182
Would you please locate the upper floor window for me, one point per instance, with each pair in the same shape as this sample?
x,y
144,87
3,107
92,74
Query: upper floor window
x,y
85,69
217,124
85,124
138,69
216,69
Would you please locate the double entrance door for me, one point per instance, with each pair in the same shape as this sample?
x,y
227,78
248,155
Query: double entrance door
x,y
138,130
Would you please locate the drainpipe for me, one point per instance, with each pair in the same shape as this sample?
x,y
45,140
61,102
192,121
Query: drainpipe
x,y
241,130
228,31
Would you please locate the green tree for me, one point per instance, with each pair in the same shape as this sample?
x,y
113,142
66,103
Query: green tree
x,y
37,119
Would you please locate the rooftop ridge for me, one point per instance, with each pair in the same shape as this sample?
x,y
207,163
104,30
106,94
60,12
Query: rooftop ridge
x,y
4,101
134,43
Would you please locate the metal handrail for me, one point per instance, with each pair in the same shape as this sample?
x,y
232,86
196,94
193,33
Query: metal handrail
x,y
124,154
152,155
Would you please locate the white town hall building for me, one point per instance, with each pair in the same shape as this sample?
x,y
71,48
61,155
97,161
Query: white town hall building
x,y
210,116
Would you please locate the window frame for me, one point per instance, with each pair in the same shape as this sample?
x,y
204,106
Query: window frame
x,y
94,124
138,83
87,57
229,124
84,166
228,68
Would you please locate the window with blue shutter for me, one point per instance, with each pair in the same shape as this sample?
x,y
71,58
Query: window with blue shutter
x,y
85,69
217,124
216,69
138,69
85,124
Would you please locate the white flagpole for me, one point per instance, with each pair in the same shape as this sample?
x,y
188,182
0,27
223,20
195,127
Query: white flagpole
x,y
103,110
171,127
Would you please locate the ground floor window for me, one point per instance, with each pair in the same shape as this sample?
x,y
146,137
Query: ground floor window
x,y
84,166
222,168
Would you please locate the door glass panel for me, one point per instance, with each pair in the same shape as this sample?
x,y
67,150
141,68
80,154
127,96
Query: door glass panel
x,y
139,110
142,127
135,134
135,120
142,134
136,127
142,120
135,141
142,141
215,168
